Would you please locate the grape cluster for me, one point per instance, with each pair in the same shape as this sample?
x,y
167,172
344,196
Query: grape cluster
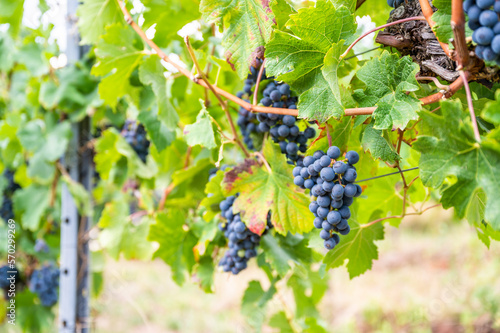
x,y
247,120
7,211
395,3
330,180
44,283
5,276
41,246
135,135
483,19
282,128
241,241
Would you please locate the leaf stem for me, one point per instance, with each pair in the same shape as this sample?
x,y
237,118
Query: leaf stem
x,y
263,159
415,18
259,77
471,107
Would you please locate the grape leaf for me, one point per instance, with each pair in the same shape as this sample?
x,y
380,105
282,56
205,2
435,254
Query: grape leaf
x,y
158,131
120,236
297,57
12,13
442,17
475,216
168,17
119,52
31,202
282,11
388,78
262,190
491,112
357,247
379,145
202,131
448,149
248,27
176,244
254,302
280,321
280,251
151,72
340,132
94,16
214,196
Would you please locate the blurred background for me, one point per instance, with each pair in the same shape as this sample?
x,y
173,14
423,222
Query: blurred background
x,y
433,275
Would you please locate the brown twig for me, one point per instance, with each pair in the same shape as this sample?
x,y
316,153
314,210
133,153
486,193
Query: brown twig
x,y
416,18
433,79
454,87
257,84
263,159
222,103
428,12
471,107
398,216
458,27
164,197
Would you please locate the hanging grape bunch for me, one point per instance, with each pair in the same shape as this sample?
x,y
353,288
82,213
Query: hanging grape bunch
x,y
395,3
283,128
330,180
241,241
483,19
44,282
247,121
135,135
7,211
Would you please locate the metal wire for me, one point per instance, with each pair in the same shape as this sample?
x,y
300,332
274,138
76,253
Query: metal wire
x,y
389,174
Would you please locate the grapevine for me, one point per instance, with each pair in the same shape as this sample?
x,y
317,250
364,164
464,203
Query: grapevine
x,y
203,134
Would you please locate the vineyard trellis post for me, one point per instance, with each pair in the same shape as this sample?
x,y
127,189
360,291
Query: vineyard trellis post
x,y
74,285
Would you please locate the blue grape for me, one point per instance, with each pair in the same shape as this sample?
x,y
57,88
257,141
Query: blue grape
x,y
310,132
324,234
338,191
474,25
275,95
323,212
352,157
296,171
44,282
333,152
326,226
327,174
325,161
330,243
350,175
289,120
339,167
345,212
334,217
474,12
345,231
489,54
496,7
495,44
323,201
488,18
350,190
485,4
313,207
483,36
342,225
327,186
318,223
284,89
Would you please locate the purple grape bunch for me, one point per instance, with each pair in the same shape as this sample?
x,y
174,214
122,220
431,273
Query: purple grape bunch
x,y
135,135
330,180
483,20
242,242
44,282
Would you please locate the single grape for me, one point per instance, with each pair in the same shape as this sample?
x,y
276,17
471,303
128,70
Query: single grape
x,y
325,161
474,25
330,243
239,227
337,191
345,231
284,89
334,217
488,18
322,212
266,101
337,203
318,222
496,7
310,133
495,44
292,148
313,207
359,190
327,174
333,152
352,157
339,167
296,171
323,201
308,160
283,131
345,212
483,36
289,120
485,4
350,175
474,12
324,234
326,226
342,225
327,186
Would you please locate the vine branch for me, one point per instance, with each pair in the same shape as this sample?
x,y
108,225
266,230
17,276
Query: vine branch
x,y
257,84
471,107
428,12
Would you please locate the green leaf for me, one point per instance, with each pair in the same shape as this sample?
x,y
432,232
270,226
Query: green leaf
x,y
357,247
168,17
282,11
379,144
248,26
280,321
442,29
448,150
297,57
280,252
491,111
254,303
214,196
205,273
262,191
176,244
388,78
340,132
202,131
12,13
31,202
158,131
151,72
118,52
94,16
